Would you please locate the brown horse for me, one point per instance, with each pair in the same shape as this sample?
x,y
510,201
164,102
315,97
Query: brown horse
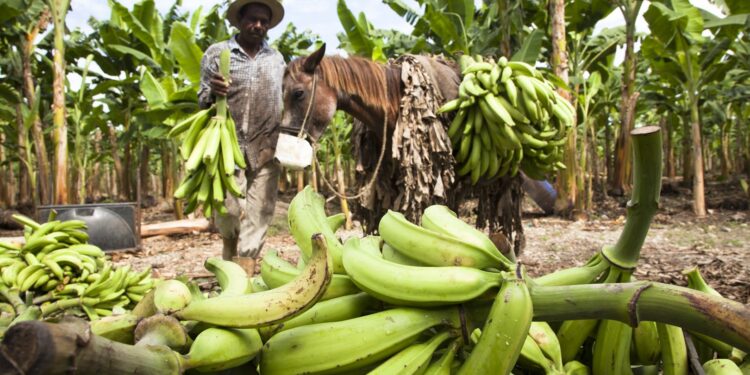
x,y
315,86
364,89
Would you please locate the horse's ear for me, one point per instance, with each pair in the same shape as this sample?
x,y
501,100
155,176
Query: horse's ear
x,y
312,61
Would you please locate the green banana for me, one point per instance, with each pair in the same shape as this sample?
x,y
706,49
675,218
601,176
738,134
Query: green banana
x,y
329,347
673,350
332,310
441,219
576,368
306,215
501,342
231,277
585,274
646,343
271,306
392,255
336,221
532,357
443,365
277,272
721,367
412,360
547,340
219,348
434,248
413,285
612,348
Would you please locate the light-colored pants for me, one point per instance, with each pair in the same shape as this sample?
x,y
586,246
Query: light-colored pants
x,y
244,226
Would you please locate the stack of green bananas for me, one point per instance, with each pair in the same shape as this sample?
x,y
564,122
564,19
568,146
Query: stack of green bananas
x,y
430,298
211,153
507,117
57,269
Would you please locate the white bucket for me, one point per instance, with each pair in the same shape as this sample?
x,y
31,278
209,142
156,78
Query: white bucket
x,y
293,152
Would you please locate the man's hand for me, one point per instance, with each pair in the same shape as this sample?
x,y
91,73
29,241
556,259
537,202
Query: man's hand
x,y
219,86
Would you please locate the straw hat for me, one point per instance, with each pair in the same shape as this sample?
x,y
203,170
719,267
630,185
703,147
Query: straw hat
x,y
277,11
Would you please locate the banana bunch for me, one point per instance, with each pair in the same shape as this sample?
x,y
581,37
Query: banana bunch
x,y
59,270
211,153
507,117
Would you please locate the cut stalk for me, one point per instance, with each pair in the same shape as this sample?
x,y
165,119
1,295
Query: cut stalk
x,y
47,348
718,317
644,202
221,101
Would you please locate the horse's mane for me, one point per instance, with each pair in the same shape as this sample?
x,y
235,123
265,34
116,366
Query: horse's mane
x,y
375,84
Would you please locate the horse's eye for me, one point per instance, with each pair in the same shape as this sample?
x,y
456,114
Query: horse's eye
x,y
298,94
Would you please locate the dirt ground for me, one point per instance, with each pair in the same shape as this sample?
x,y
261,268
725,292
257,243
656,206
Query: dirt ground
x,y
718,245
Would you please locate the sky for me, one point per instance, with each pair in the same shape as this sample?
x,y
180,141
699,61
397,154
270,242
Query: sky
x,y
318,16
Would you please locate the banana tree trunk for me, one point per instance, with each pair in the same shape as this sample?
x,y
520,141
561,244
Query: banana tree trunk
x,y
505,24
726,158
300,180
666,124
628,100
29,92
4,169
314,176
80,163
93,184
59,10
118,173
23,171
342,191
687,157
593,177
567,189
746,139
699,199
126,182
608,170
143,173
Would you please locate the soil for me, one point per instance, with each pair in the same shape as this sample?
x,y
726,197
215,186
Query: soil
x,y
719,245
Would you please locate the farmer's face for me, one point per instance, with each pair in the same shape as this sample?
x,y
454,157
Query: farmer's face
x,y
254,20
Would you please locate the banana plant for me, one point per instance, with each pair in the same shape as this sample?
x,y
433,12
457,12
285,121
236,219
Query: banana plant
x,y
292,43
678,51
335,151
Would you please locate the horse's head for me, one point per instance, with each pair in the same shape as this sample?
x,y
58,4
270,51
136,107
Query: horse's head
x,y
301,86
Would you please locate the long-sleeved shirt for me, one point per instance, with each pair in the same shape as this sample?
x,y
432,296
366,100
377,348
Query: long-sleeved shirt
x,y
254,98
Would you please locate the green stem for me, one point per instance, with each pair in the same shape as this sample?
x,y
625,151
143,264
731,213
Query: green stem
x,y
221,101
65,304
644,202
718,317
11,295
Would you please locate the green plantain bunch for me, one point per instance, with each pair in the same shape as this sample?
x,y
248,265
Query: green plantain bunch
x,y
508,117
57,271
211,153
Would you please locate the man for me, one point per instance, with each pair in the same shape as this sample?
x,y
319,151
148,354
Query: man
x,y
254,100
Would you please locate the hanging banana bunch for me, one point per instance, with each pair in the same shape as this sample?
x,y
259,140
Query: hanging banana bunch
x,y
507,117
211,153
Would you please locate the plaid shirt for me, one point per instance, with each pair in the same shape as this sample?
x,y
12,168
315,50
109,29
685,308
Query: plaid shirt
x,y
254,98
